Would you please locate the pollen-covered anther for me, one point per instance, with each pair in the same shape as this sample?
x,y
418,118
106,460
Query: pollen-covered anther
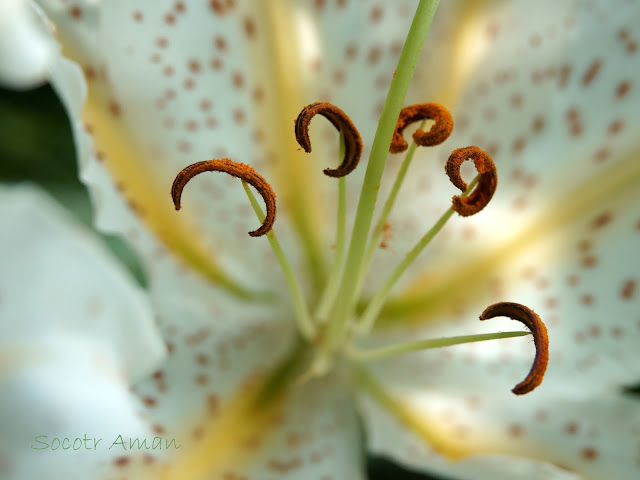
x,y
238,170
439,132
340,120
482,194
532,321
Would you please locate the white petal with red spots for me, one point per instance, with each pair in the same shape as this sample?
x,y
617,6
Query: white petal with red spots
x,y
551,97
217,352
553,101
75,330
581,280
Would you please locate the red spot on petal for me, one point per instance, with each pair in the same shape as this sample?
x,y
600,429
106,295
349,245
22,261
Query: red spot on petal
x,y
591,72
601,220
589,453
622,89
628,289
75,12
121,462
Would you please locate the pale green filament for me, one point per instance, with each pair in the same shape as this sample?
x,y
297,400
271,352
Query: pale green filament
x,y
365,355
375,167
331,288
375,305
386,211
299,304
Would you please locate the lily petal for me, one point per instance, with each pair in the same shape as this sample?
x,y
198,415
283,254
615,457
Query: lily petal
x,y
210,396
549,100
26,51
582,282
146,131
559,437
388,437
75,329
84,288
127,198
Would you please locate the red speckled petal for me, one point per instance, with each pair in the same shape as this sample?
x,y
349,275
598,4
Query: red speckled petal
x,y
74,331
582,280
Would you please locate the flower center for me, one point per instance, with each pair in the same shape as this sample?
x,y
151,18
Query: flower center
x,y
333,328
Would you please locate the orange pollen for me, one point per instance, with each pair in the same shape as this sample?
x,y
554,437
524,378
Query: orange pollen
x,y
482,194
342,122
532,321
438,133
239,170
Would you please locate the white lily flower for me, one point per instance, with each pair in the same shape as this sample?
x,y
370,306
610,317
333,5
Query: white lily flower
x,y
548,90
75,332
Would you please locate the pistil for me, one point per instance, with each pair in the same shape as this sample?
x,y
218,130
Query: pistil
x,y
386,126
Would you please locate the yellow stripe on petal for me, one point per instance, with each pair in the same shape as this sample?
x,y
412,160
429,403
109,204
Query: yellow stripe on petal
x,y
428,296
469,45
232,437
432,433
238,430
296,181
132,170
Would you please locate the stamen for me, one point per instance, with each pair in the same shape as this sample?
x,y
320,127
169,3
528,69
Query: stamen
x,y
343,306
374,242
375,305
401,348
331,288
340,120
303,318
479,198
238,170
523,314
439,132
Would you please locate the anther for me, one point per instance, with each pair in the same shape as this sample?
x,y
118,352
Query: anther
x,y
340,120
523,314
479,198
439,132
238,170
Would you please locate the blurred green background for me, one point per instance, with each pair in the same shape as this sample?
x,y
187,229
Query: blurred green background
x,y
36,146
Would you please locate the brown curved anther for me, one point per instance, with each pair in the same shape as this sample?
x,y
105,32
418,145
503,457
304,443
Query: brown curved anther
x,y
479,198
523,314
439,132
340,120
239,170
